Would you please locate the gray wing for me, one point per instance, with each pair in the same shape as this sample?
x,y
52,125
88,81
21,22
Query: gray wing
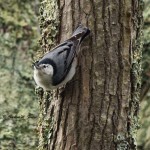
x,y
61,59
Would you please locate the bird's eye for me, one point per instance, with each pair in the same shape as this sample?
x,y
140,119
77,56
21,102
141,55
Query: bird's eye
x,y
44,66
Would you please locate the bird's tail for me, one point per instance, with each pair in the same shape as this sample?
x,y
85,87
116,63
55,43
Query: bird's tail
x,y
80,33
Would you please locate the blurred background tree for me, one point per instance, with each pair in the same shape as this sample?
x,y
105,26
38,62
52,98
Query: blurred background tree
x,y
18,42
144,131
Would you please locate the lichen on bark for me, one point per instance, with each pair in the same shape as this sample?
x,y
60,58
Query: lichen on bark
x,y
136,57
49,26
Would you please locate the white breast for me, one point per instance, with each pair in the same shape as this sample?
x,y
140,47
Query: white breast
x,y
42,80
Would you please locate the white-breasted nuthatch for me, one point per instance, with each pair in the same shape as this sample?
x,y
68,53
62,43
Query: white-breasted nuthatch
x,y
58,66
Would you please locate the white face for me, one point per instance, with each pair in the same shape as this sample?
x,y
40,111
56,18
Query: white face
x,y
43,75
44,69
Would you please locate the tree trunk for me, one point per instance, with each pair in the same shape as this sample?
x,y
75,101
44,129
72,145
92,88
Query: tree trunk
x,y
98,109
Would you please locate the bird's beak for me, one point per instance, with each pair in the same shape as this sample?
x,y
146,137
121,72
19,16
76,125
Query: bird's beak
x,y
36,66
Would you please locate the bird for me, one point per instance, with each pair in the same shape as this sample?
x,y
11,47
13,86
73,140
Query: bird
x,y
58,66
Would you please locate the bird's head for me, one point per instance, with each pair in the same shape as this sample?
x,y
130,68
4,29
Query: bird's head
x,y
43,69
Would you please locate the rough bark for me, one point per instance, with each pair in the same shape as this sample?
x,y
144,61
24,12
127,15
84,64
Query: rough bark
x,y
98,109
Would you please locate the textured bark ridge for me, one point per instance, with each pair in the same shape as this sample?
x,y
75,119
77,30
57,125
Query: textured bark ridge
x,y
98,109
